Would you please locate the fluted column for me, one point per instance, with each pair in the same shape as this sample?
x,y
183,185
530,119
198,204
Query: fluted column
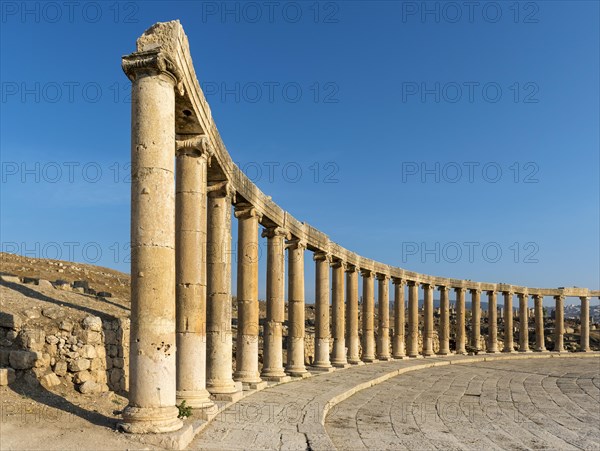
x,y
383,329
475,319
295,350
219,340
398,343
559,324
508,322
413,319
539,323
246,360
322,334
444,330
352,314
152,383
368,317
492,341
460,321
585,323
428,314
273,336
338,355
523,322
190,270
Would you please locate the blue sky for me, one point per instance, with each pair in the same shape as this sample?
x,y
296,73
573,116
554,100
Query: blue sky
x,y
456,142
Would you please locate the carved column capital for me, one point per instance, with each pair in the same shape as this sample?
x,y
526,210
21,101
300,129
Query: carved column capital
x,y
382,277
322,256
220,189
296,243
428,285
349,267
336,262
195,146
398,281
272,232
443,288
559,297
366,272
508,293
151,62
491,292
245,210
474,290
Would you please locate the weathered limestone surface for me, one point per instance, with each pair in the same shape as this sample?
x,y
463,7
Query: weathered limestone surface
x,y
460,321
444,333
368,317
523,322
322,334
413,319
338,356
492,322
352,314
398,342
295,363
428,313
383,330
508,322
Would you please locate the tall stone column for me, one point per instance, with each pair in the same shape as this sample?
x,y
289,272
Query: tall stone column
x,y
398,343
383,330
368,316
338,355
246,359
428,314
461,333
219,341
508,322
559,324
152,383
295,349
413,319
523,322
539,323
492,346
444,331
322,334
585,323
273,337
190,270
352,314
475,319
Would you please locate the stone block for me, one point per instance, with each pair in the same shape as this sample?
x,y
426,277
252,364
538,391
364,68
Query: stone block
x,y
89,387
52,312
88,351
62,285
60,368
10,278
79,365
93,323
66,325
7,376
82,376
50,380
43,283
22,360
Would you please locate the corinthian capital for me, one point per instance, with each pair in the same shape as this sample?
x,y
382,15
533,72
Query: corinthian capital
x,y
151,62
196,146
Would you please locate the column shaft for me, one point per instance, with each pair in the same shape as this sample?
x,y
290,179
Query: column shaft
x,y
368,317
413,319
383,330
523,322
352,314
475,319
492,322
322,334
460,321
152,383
295,349
428,316
444,330
273,336
508,322
539,323
398,343
559,324
246,361
219,342
190,244
585,323
338,355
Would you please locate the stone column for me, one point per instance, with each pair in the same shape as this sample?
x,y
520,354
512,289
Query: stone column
x,y
383,330
273,337
190,270
523,322
398,344
508,322
559,324
368,317
428,314
475,319
585,323
338,355
219,343
322,333
152,384
295,349
413,319
444,331
246,359
492,322
539,323
461,333
352,314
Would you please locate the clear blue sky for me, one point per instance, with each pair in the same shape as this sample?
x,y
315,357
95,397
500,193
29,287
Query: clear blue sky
x,y
360,96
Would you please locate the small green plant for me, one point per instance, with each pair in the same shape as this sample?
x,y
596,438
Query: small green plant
x,y
184,411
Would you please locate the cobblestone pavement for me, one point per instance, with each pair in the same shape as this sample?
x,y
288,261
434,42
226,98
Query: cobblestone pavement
x,y
527,404
537,403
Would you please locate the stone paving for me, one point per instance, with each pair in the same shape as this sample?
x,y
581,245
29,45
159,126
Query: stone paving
x,y
518,404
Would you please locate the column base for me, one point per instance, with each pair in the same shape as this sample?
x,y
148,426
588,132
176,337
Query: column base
x,y
444,352
461,352
509,351
585,350
399,357
427,353
384,358
296,371
230,397
282,378
524,351
493,351
540,350
355,362
224,388
321,369
417,356
340,365
272,374
368,358
254,385
247,378
154,420
198,399
300,375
